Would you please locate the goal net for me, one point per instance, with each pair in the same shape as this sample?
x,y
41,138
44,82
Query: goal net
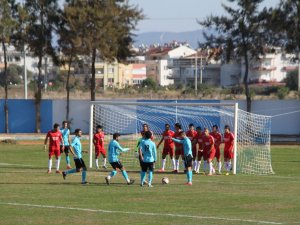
x,y
252,131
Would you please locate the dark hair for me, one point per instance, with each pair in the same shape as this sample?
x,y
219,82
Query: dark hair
x,y
167,124
63,122
98,127
227,127
191,125
77,131
205,128
56,125
145,125
148,134
198,128
181,132
216,126
115,135
178,125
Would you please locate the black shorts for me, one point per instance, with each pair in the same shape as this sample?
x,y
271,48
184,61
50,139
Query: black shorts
x,y
79,163
66,150
147,166
188,161
116,165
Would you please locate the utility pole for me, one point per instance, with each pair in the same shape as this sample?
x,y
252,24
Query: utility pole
x,y
299,71
201,69
25,74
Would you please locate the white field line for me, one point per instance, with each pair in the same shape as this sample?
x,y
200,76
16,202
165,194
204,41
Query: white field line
x,y
10,164
142,213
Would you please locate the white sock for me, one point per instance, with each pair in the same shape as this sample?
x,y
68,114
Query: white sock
x,y
177,164
49,164
204,165
219,166
57,163
183,164
198,166
104,161
194,165
163,163
97,163
109,177
211,168
173,164
229,165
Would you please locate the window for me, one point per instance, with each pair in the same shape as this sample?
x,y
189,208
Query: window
x,y
110,70
110,80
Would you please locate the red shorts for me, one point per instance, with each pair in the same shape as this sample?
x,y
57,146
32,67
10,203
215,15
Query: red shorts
x,y
211,154
99,151
228,154
168,150
55,152
218,153
179,151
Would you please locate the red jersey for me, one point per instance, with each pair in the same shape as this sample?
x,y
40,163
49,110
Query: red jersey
x,y
228,141
152,136
218,138
199,138
191,134
99,139
177,136
55,139
208,142
167,135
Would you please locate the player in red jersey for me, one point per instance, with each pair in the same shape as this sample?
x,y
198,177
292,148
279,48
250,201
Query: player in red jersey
x,y
98,141
228,148
55,138
178,147
168,147
218,140
146,128
191,134
198,140
209,149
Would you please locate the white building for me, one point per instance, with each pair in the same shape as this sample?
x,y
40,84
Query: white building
x,y
157,61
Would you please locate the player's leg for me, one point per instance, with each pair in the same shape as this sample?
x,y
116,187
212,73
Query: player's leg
x,y
199,156
124,173
57,162
143,172
218,157
177,155
68,161
83,172
172,153
150,175
188,167
183,161
163,160
211,156
195,162
113,172
74,170
103,153
51,153
97,154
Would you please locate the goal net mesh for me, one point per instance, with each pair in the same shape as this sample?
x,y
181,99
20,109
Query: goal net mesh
x,y
253,132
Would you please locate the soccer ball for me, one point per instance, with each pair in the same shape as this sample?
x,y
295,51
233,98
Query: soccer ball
x,y
165,180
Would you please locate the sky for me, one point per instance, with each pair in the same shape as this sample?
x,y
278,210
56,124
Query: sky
x,y
180,15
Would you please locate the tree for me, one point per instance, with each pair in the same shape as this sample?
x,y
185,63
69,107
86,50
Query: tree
x,y
12,75
7,25
284,21
291,80
103,29
241,33
42,23
149,83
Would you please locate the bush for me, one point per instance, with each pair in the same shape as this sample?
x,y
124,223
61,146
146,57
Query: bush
x,y
282,92
291,80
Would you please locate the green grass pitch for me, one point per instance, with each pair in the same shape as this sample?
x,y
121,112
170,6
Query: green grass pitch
x,y
30,196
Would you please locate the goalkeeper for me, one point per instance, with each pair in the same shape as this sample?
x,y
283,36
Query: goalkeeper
x,y
114,150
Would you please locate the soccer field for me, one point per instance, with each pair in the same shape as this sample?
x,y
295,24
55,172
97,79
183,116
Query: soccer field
x,y
30,196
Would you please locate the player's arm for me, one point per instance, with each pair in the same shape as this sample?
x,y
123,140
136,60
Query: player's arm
x,y
72,151
178,141
62,142
159,143
154,153
94,140
212,144
121,149
69,138
141,153
46,141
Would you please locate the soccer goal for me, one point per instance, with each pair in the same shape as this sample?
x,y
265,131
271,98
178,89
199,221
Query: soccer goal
x,y
251,146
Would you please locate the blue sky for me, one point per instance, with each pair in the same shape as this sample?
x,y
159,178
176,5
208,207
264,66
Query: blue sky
x,y
180,15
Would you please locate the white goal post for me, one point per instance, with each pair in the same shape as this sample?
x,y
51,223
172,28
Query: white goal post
x,y
252,131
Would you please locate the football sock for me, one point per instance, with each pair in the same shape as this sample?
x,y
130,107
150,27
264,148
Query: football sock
x,y
177,164
198,166
124,173
173,164
229,165
219,166
190,177
210,167
97,163
83,175
150,177
204,165
104,161
194,165
49,164
113,173
183,164
68,160
143,176
70,171
57,163
163,163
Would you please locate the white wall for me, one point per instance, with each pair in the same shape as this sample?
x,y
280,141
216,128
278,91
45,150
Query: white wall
x,y
163,73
